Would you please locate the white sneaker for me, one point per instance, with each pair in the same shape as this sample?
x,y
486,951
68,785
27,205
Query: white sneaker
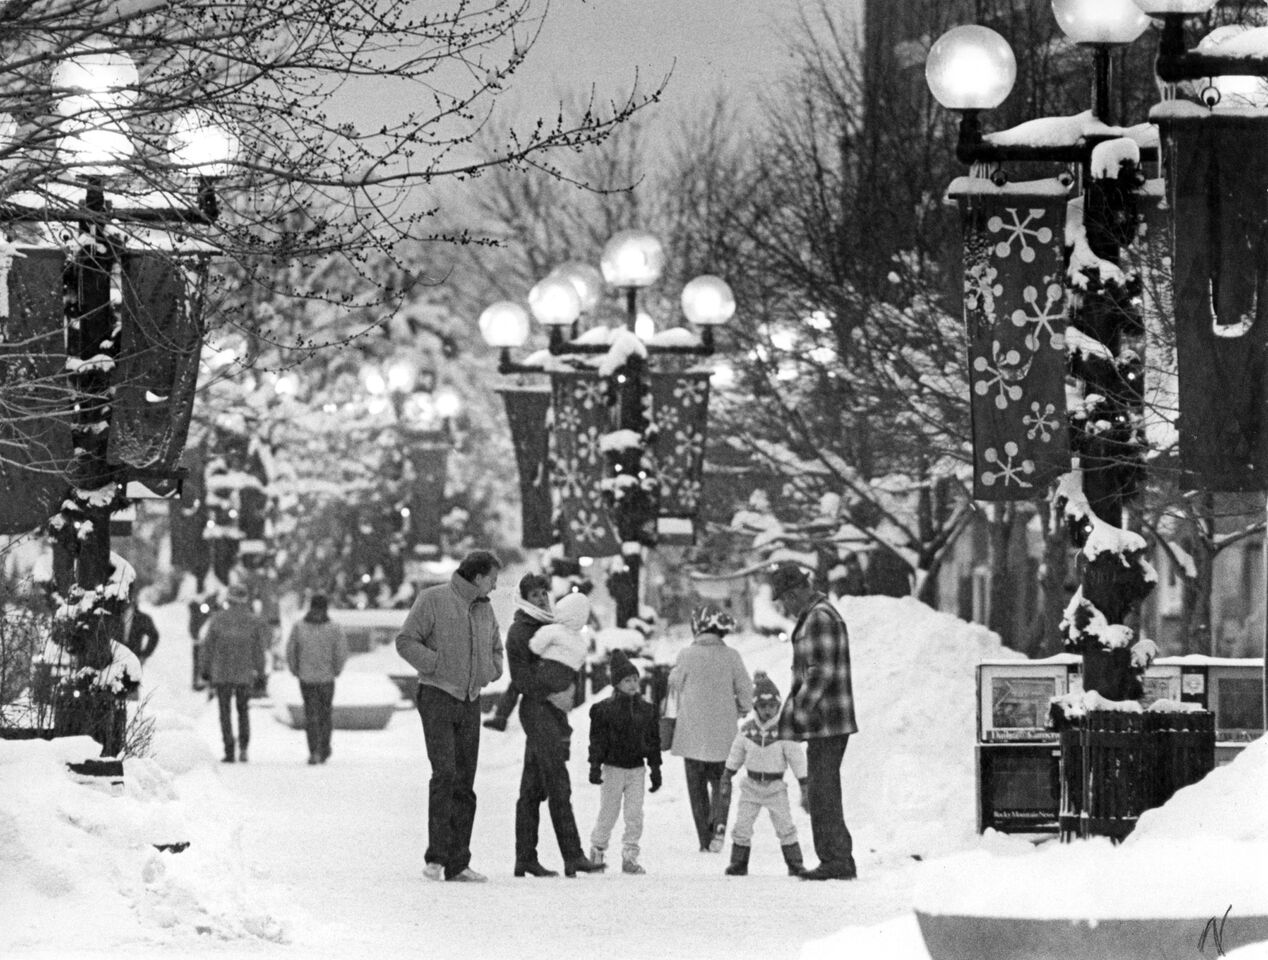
x,y
434,871
470,876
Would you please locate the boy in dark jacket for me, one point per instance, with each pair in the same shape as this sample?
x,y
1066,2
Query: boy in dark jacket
x,y
624,731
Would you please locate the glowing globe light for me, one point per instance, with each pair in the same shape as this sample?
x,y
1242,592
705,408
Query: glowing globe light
x,y
708,301
202,145
448,403
401,375
94,77
1101,22
504,324
586,279
632,258
554,302
644,326
94,144
971,68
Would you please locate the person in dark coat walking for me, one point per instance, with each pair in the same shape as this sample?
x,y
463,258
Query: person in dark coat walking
x,y
233,650
143,635
820,711
316,652
547,743
624,732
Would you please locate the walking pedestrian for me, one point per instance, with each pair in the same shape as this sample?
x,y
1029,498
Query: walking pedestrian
x,y
234,645
819,711
316,652
451,637
547,743
713,690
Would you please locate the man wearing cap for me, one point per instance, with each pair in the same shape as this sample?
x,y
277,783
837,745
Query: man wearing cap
x,y
820,711
233,653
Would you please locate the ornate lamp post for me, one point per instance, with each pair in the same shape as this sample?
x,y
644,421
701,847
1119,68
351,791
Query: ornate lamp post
x,y
612,423
1051,278
132,345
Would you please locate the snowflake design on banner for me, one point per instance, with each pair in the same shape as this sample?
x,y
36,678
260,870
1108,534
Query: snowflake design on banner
x,y
588,448
587,526
981,288
691,392
567,420
1010,469
567,479
591,393
1042,317
1004,375
1020,231
1042,423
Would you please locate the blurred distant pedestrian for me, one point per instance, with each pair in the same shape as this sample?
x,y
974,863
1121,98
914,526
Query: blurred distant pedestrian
x,y
316,652
233,655
143,636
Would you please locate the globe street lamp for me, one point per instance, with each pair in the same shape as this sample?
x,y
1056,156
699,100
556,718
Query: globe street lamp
x,y
612,456
131,342
1047,277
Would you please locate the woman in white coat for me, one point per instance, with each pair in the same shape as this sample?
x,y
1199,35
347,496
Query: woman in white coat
x,y
713,690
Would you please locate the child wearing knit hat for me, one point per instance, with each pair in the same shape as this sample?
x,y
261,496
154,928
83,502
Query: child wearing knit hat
x,y
766,758
624,732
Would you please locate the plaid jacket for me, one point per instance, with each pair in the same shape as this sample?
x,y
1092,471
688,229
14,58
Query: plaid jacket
x,y
821,703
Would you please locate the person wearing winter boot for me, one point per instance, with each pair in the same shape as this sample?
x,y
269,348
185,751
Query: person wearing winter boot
x,y
624,731
765,758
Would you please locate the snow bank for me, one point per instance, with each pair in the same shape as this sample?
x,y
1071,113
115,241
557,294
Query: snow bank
x,y
86,854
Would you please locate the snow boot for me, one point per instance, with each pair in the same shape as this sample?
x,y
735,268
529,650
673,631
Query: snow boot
x,y
739,861
792,857
596,855
630,864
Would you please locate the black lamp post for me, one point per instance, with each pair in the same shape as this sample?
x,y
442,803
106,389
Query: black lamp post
x,y
623,356
115,362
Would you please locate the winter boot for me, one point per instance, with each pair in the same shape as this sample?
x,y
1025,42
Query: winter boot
x,y
792,857
629,864
596,855
739,861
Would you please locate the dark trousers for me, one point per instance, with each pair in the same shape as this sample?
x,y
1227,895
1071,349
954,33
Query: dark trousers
x,y
506,702
318,705
703,777
833,844
451,732
228,694
545,777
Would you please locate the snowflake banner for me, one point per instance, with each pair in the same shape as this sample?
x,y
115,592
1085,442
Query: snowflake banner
x,y
680,411
187,520
527,411
578,465
1218,189
35,438
1014,308
157,367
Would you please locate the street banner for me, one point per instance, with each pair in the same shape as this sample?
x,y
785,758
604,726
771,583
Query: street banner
x,y
157,366
188,518
429,463
37,395
680,413
579,466
1218,190
528,411
1015,312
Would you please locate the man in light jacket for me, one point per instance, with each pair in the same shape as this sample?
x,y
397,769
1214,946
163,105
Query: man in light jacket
x,y
820,711
451,637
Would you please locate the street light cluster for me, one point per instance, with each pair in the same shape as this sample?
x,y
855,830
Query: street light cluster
x,y
616,452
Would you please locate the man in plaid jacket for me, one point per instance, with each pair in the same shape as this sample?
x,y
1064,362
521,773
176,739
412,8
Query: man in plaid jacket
x,y
820,711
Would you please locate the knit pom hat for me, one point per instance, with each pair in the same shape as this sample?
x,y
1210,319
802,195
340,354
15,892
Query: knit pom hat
x,y
619,667
764,689
709,619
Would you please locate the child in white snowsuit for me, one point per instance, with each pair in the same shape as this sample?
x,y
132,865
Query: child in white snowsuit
x,y
563,648
624,733
765,757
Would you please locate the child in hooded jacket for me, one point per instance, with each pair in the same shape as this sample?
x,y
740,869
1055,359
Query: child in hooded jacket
x,y
563,648
765,758
624,731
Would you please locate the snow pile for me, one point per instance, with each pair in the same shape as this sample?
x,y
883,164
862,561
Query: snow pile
x,y
1204,850
89,851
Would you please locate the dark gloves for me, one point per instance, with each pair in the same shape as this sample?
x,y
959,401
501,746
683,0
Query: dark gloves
x,y
655,775
596,773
